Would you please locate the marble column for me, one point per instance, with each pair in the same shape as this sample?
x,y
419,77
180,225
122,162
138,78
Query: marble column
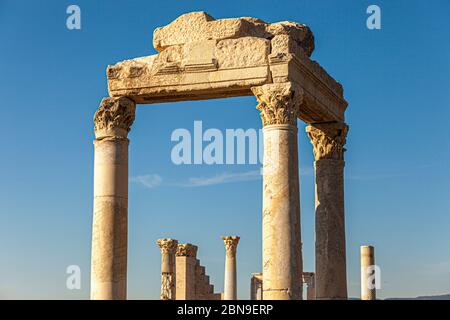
x,y
279,104
230,282
168,271
368,291
112,122
186,262
328,140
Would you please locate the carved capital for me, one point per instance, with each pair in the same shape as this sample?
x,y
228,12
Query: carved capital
x,y
114,117
167,245
328,140
279,103
187,250
230,243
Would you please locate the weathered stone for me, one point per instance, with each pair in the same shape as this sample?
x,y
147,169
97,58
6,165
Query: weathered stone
x,y
204,58
168,274
328,140
368,290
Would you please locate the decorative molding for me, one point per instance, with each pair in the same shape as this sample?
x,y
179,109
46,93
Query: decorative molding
x,y
230,243
279,103
114,117
186,250
328,140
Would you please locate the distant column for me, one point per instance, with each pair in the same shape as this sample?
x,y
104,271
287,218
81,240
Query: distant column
x,y
168,272
368,291
230,283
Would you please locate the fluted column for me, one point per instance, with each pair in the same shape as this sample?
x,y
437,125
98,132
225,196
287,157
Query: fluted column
x,y
368,290
230,282
279,105
112,122
168,270
328,140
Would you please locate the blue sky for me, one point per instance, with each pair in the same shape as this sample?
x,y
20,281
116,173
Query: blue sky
x,y
396,81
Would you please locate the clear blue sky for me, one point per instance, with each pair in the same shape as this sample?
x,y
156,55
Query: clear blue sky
x,y
397,84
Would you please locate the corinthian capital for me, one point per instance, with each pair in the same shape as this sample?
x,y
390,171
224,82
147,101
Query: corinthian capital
x,y
167,245
279,103
187,250
328,140
114,117
230,243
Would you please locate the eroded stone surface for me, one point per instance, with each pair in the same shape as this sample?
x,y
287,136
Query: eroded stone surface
x,y
199,26
203,58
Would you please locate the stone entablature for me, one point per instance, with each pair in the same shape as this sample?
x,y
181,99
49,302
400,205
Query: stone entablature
x,y
203,58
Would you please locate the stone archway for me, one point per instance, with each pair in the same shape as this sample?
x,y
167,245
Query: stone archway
x,y
203,58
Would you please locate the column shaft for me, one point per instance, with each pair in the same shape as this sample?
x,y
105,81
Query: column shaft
x,y
281,214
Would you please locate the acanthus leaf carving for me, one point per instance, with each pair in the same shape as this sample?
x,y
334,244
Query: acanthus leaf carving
x,y
279,103
114,117
328,140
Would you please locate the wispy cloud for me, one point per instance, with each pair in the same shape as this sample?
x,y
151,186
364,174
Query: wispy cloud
x,y
221,178
148,180
154,180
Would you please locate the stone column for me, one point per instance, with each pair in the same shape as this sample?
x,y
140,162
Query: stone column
x,y
328,140
279,104
230,282
368,291
112,122
186,261
309,279
168,271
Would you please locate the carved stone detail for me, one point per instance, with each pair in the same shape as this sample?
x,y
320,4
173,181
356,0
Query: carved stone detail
x,y
167,245
114,117
167,286
186,250
328,140
279,103
230,243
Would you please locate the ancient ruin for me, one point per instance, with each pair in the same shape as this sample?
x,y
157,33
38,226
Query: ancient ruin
x,y
203,58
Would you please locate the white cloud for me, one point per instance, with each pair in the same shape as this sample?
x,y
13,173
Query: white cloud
x,y
221,179
148,180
